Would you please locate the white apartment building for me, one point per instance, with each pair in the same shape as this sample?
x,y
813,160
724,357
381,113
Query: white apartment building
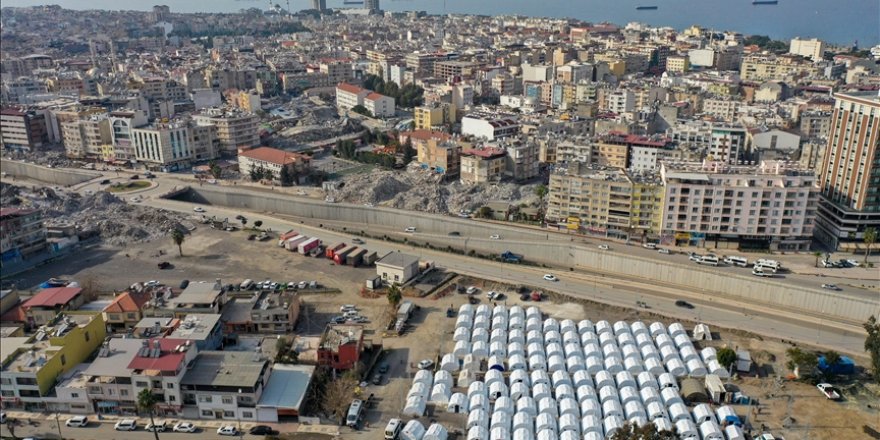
x,y
160,366
174,145
727,143
715,204
121,124
722,108
225,385
379,105
621,101
86,137
235,128
812,48
348,96
490,127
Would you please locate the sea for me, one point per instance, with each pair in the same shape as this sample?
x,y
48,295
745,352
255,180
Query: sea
x,y
839,22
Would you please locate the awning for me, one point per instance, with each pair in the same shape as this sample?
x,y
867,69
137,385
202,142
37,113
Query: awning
x,y
107,404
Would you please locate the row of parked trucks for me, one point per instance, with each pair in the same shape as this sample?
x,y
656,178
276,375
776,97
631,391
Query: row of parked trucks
x,y
340,253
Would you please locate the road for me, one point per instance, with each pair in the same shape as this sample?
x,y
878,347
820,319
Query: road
x,y
103,431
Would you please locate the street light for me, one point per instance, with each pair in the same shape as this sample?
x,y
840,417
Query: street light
x,y
238,416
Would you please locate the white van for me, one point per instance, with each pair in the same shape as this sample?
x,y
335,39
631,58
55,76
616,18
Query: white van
x,y
769,264
759,272
355,411
709,260
246,284
736,261
392,429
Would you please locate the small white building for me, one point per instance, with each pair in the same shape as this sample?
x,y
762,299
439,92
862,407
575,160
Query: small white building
x,y
396,267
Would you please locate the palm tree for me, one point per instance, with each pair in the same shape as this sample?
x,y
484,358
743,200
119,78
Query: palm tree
x,y
147,402
870,238
394,295
818,255
178,238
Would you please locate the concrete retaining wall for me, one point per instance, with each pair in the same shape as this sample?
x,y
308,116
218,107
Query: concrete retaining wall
x,y
55,176
554,251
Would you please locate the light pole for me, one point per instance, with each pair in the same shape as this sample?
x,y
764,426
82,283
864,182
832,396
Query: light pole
x,y
58,424
238,416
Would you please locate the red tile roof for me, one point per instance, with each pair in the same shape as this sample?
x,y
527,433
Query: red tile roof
x,y
16,314
273,155
485,153
424,135
56,296
374,96
168,359
128,302
350,88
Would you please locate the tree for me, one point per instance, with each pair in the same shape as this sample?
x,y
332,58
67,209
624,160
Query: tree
x,y
726,357
215,169
338,394
484,212
258,223
632,431
806,363
870,238
818,255
286,177
362,110
256,174
177,237
541,191
394,295
243,221
147,402
872,345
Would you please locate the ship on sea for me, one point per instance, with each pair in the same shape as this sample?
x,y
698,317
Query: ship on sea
x,y
646,8
765,2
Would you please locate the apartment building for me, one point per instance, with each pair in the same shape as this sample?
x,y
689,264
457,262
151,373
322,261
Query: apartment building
x,y
442,156
341,345
126,310
174,145
224,385
272,160
482,165
270,312
850,172
235,129
771,205
725,109
422,64
522,160
349,95
22,130
815,124
31,365
433,116
379,105
109,385
813,48
455,68
489,127
44,307
121,124
85,138
22,233
337,71
604,200
159,366
677,64
764,67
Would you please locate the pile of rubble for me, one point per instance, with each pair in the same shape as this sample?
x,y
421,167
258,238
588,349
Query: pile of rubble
x,y
101,213
52,158
419,190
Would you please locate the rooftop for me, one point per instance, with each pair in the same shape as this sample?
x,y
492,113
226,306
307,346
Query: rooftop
x,y
287,386
159,354
15,212
350,88
273,155
398,259
225,368
485,153
114,357
198,293
38,349
128,302
341,334
52,297
196,326
767,167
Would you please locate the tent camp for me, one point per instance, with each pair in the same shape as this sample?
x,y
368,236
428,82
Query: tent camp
x,y
693,391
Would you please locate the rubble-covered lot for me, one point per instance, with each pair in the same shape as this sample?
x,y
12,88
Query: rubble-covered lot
x,y
106,215
419,190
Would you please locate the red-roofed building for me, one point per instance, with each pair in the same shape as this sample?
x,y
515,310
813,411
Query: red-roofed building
x,y
272,160
159,366
350,95
126,310
379,105
42,308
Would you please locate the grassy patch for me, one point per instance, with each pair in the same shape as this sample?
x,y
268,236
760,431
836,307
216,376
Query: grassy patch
x,y
128,186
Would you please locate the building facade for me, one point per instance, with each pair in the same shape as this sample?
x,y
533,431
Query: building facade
x,y
22,233
22,130
174,145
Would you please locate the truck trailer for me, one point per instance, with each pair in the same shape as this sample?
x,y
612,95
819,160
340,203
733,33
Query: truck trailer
x,y
331,250
306,246
292,243
286,236
340,257
370,258
355,257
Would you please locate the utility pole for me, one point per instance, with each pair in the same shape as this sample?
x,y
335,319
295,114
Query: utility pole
x,y
58,424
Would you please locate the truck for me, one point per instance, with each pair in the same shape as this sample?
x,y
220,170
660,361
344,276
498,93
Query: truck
x,y
306,246
331,250
355,257
370,258
340,256
829,391
292,243
510,257
405,311
286,236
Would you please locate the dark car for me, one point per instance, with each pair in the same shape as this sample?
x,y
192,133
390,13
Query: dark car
x,y
455,234
262,430
684,304
105,182
184,283
377,379
135,177
383,368
524,297
164,265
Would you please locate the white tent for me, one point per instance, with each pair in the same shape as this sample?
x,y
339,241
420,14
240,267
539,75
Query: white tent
x,y
516,311
702,333
569,406
649,352
418,389
440,393
444,377
591,423
711,431
516,348
650,395
624,379
646,380
611,424
686,429
613,364
462,334
547,434
498,349
534,325
520,376
591,407
522,420
498,389
464,321
657,328
545,421
567,325
654,366
415,407
436,432
608,393
498,335
629,394
499,432
569,422
552,336
663,340
516,323
603,326
723,412
477,433
533,312
518,389
481,322
695,368
466,309
516,336
551,324
595,364
413,430
688,352
584,326
569,435
644,340
504,404
496,363
523,434
480,334
603,379
639,327
580,378
633,409
484,310
637,420
703,413
449,363
540,377
611,350
655,410
561,377
477,418
668,352
478,401
570,337
500,310
663,424
574,363
621,327
607,338
458,404
573,349
677,411
547,405
733,432
589,337
676,367
500,419
564,391
713,367
593,436
682,340
540,391
480,350
535,348
631,351
462,348
425,377
469,362
585,392
466,377
537,362
676,329
708,354
667,380
612,408
625,339
527,405
670,396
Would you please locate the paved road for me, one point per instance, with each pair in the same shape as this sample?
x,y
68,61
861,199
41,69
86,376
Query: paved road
x,y
104,431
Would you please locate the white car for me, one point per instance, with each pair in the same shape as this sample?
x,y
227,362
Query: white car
x,y
604,247
184,427
426,364
125,425
495,237
663,251
829,391
410,229
159,426
550,277
471,290
491,294
347,307
77,422
830,286
227,430
199,209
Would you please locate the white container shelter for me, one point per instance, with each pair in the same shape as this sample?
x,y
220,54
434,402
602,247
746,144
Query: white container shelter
x,y
527,405
603,327
498,389
449,363
654,366
516,336
675,367
670,396
591,423
443,377
469,362
466,377
551,325
458,404
534,325
612,408
686,429
504,404
590,407
703,413
569,422
499,432
413,430
663,424
480,350
537,362
657,328
519,376
650,395
655,410
523,420
709,354
633,409
480,334
711,431
436,432
418,389
629,394
496,363
677,329
477,418
500,420
733,432
639,327
620,327
477,433
477,388
677,411
541,391
478,402
613,364
584,326
540,377
462,348
440,394
647,380
667,380
581,378
461,334
569,405
611,424
595,364
518,389
547,405
545,421
414,407
695,368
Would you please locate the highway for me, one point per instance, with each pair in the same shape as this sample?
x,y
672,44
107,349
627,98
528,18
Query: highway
x,y
48,429
596,287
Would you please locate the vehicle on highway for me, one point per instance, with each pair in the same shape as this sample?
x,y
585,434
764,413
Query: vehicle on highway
x,y
227,430
694,257
708,260
184,283
846,263
105,182
184,427
410,229
663,251
77,422
455,234
198,209
759,272
650,245
425,364
393,428
495,237
262,430
125,425
604,247
357,241
136,199
164,265
830,286
828,264
829,391
853,263
158,426
734,260
550,277
464,215
368,205
684,304
771,265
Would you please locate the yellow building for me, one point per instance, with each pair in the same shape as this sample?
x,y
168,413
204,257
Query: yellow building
x,y
31,366
431,116
677,64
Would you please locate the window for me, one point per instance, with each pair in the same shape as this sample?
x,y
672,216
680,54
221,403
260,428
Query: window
x,y
141,384
207,413
7,393
172,398
227,400
169,385
28,393
123,392
228,414
5,381
25,380
206,399
63,359
247,415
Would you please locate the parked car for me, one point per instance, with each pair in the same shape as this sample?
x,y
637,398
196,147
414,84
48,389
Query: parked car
x,y
347,307
471,290
377,379
383,368
829,391
2,417
524,297
829,264
491,295
550,277
105,182
198,209
663,251
357,241
684,304
184,427
694,257
262,430
77,422
830,286
410,229
135,177
158,426
184,283
164,265
227,430
425,364
455,234
495,237
125,425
